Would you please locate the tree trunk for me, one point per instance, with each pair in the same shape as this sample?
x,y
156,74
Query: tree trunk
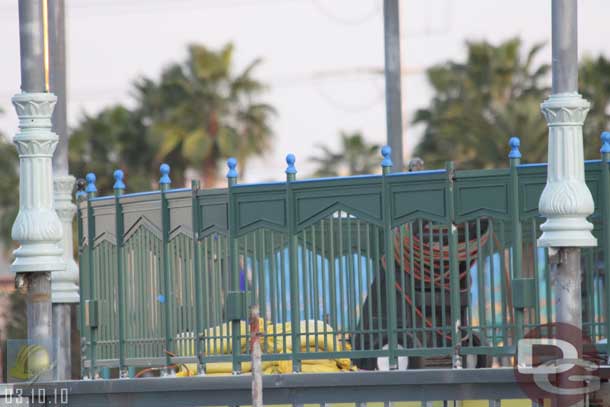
x,y
209,173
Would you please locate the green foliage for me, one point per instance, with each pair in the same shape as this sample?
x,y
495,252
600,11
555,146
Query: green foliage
x,y
479,103
356,156
496,93
9,185
114,138
594,85
201,112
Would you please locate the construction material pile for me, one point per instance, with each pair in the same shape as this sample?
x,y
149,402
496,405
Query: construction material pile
x,y
315,336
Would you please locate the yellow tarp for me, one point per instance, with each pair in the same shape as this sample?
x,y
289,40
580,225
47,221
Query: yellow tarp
x,y
276,343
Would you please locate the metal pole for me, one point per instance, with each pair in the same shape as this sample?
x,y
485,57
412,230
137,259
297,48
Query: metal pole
x,y
391,25
37,227
64,283
31,44
566,201
57,75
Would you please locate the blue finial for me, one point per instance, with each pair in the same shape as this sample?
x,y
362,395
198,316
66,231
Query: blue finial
x,y
386,152
514,144
164,180
91,189
232,163
118,180
605,142
290,159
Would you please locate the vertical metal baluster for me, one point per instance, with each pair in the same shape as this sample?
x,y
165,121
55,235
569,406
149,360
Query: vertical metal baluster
x,y
403,301
91,190
316,286
468,284
454,272
333,284
605,186
481,282
386,166
119,187
517,233
413,306
233,269
164,184
199,307
422,286
83,271
492,282
342,289
325,293
432,282
293,252
370,280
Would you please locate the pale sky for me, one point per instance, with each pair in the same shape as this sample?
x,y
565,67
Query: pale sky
x,y
111,42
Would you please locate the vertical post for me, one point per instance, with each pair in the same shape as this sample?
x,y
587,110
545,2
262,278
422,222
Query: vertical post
x,y
37,227
454,270
605,186
165,183
31,45
81,196
195,185
65,283
566,201
233,263
256,358
390,272
293,255
391,19
119,189
517,252
91,308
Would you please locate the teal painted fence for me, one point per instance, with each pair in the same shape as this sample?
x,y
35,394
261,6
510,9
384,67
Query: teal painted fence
x,y
167,276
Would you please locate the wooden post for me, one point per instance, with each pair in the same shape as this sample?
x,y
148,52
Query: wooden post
x,y
256,356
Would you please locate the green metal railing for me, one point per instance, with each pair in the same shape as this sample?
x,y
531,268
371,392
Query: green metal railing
x,y
429,265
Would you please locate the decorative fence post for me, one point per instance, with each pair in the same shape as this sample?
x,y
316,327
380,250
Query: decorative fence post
x,y
386,167
119,189
91,303
454,265
195,185
64,283
166,297
233,267
293,250
517,238
81,196
605,194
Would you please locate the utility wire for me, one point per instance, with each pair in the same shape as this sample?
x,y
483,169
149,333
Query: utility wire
x,y
375,10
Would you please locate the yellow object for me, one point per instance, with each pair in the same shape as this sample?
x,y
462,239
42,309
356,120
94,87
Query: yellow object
x,y
31,361
275,342
320,341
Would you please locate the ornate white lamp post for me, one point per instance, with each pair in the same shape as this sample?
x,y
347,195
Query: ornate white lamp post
x,y
37,227
566,202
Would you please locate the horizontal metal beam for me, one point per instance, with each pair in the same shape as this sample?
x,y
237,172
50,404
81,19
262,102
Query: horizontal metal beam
x,y
414,385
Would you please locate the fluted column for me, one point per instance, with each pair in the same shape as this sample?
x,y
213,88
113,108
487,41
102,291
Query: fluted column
x,y
37,227
566,201
65,283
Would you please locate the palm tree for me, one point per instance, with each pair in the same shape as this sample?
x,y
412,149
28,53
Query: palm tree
x,y
594,78
356,156
479,103
204,112
115,138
